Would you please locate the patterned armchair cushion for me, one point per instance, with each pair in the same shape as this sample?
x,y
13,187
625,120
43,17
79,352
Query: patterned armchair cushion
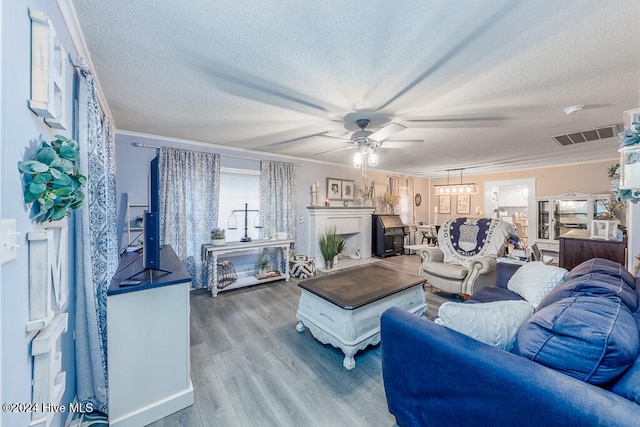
x,y
302,266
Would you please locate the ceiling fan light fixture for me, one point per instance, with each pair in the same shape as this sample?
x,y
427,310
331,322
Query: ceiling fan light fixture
x,y
357,159
372,158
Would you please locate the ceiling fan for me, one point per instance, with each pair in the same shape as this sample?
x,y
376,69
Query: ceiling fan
x,y
367,141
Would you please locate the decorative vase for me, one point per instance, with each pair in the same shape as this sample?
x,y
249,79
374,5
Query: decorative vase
x,y
218,242
328,264
368,202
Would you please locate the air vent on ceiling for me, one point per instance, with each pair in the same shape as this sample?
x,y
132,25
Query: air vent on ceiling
x,y
588,135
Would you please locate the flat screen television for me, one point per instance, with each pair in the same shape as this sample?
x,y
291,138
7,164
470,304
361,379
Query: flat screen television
x,y
151,224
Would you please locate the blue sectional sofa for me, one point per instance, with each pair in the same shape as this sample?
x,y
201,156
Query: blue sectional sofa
x,y
574,362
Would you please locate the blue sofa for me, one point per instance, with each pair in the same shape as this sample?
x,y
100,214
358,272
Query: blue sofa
x,y
435,376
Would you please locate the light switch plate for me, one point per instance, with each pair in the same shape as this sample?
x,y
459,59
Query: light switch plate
x,y
8,240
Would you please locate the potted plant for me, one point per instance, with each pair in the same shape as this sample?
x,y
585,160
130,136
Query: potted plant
x,y
52,180
262,265
330,244
218,236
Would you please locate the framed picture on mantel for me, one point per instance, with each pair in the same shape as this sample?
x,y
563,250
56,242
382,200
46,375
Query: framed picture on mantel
x,y
334,189
348,190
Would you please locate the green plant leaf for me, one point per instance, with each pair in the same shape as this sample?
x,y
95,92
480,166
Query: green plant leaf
x,y
55,173
58,213
37,189
30,197
48,204
62,191
68,152
63,181
32,166
65,165
42,178
47,155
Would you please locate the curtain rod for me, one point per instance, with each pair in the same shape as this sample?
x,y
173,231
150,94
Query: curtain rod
x,y
141,145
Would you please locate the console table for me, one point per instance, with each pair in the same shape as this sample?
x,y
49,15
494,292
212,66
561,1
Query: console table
x,y
211,253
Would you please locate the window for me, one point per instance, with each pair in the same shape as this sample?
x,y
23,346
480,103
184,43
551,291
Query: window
x,y
237,187
404,205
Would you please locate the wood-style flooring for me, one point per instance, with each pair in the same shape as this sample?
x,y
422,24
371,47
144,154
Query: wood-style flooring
x,y
250,367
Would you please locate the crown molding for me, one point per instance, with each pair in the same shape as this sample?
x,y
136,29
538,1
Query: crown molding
x,y
70,18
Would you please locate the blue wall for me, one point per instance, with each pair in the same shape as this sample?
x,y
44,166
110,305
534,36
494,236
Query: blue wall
x,y
21,132
132,169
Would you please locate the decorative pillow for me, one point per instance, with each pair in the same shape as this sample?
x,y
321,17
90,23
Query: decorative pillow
x,y
593,339
494,323
595,284
534,280
603,266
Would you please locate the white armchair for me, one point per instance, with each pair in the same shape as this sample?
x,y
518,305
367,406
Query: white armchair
x,y
466,258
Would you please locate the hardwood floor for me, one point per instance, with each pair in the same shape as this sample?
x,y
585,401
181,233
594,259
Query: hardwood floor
x,y
249,365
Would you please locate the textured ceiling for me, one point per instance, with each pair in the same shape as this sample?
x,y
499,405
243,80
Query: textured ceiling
x,y
483,84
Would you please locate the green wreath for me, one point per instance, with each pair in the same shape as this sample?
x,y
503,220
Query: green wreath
x,y
52,181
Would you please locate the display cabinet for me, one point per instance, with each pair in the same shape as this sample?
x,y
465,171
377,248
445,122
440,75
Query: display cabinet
x,y
557,215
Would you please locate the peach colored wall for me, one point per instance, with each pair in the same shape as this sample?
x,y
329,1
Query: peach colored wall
x,y
590,178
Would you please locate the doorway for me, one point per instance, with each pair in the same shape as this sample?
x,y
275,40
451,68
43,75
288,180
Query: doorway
x,y
513,201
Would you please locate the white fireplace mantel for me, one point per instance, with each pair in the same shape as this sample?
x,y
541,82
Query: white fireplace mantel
x,y
352,223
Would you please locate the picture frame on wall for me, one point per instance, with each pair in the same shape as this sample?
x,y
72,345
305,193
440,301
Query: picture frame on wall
x,y
444,204
348,190
463,204
334,189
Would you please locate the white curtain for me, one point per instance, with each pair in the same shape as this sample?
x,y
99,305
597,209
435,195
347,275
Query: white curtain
x,y
96,246
278,202
189,192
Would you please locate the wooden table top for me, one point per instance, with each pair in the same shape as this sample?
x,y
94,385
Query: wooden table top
x,y
353,288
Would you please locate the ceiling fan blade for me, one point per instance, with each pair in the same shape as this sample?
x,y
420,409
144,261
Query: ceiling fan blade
x,y
402,143
386,131
334,150
336,137
470,121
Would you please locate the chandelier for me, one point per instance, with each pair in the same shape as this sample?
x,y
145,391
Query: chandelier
x,y
461,188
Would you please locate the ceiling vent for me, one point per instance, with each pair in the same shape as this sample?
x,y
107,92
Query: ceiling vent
x,y
588,135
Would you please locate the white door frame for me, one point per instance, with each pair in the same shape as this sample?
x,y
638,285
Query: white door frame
x,y
532,210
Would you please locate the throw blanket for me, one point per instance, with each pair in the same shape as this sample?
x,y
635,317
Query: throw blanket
x,y
463,239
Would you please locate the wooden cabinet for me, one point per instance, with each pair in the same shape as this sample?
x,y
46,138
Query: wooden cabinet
x,y
148,342
576,247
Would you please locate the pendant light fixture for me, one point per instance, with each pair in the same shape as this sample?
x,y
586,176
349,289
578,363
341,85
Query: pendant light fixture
x,y
461,188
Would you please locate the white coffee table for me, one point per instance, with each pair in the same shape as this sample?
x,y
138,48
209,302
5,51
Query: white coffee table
x,y
343,309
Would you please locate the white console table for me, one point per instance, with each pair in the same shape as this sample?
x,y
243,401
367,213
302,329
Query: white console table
x,y
211,253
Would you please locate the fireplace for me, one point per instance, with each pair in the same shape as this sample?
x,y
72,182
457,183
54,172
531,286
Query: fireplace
x,y
352,223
